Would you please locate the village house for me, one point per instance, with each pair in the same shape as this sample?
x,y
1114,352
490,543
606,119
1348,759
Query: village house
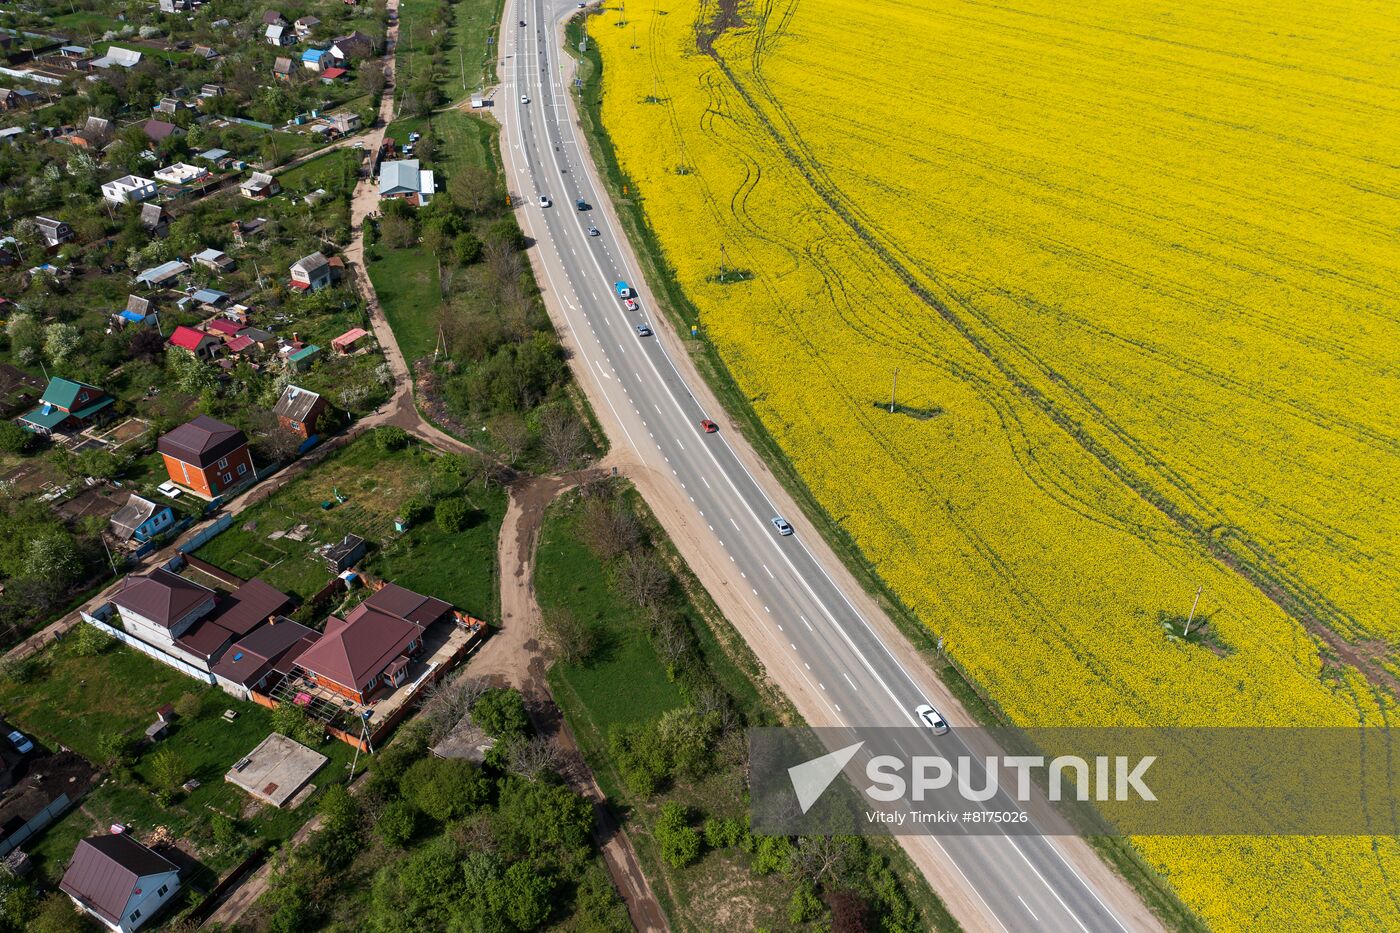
x,y
259,187
299,410
404,180
163,275
158,131
354,47
128,189
181,173
161,607
263,657
116,57
311,272
219,158
204,346
306,25
67,406
344,122
54,232
282,68
206,455
312,59
119,882
334,75
279,36
210,299
215,259
140,520
154,221
176,6
139,311
373,646
273,18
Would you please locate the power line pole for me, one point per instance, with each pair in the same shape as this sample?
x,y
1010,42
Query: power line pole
x,y
1187,630
893,386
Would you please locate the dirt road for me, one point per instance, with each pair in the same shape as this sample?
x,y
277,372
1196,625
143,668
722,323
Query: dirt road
x,y
515,657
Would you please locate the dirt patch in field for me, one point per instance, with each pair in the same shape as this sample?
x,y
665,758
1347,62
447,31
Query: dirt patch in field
x,y
726,18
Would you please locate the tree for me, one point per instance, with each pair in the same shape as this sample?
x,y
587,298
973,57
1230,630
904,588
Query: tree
x,y
610,528
146,344
389,438
17,903
542,820
510,432
688,739
561,436
370,76
452,514
570,638
445,788
804,906
535,758
168,771
824,860
722,832
55,915
397,823
89,641
472,188
53,557
640,757
398,231
500,712
643,579
466,248
60,342
114,747
291,720
679,842
13,438
522,894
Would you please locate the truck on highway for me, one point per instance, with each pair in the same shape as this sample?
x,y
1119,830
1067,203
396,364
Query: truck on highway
x,y
623,289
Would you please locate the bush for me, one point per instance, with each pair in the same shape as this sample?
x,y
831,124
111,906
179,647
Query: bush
x,y
15,439
680,843
501,713
452,515
445,788
804,906
389,438
89,641
397,823
640,758
721,832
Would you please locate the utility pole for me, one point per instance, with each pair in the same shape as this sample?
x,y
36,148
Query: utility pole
x,y
723,262
893,386
1187,630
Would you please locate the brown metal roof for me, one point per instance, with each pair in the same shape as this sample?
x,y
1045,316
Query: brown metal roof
x,y
397,601
202,442
357,651
105,872
272,646
249,606
161,596
205,639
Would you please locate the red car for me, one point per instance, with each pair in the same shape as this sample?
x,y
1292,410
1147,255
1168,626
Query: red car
x,y
709,426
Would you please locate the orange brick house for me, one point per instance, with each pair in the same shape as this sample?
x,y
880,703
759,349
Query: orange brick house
x,y
373,646
206,456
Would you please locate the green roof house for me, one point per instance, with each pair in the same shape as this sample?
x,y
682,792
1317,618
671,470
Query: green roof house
x,y
67,406
303,357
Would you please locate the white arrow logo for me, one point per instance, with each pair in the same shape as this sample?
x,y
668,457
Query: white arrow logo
x,y
811,778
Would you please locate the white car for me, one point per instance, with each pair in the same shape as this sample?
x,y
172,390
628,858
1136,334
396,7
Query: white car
x,y
782,525
544,200
524,98
630,304
929,717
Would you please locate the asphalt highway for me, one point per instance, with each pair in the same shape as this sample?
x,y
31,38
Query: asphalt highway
x,y
1016,883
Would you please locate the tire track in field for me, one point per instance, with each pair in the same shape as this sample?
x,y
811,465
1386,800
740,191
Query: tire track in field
x,y
1236,550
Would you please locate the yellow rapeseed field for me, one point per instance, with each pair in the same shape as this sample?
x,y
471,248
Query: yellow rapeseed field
x,y
1138,266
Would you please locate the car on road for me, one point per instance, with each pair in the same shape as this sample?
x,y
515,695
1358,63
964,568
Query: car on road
x,y
644,329
782,525
630,304
929,717
22,744
524,98
708,426
592,231
522,22
358,144
581,204
544,200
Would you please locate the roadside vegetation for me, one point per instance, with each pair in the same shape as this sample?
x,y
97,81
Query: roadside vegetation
x,y
430,843
658,691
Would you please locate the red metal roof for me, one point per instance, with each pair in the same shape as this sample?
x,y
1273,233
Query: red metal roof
x,y
333,73
224,326
187,338
357,651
